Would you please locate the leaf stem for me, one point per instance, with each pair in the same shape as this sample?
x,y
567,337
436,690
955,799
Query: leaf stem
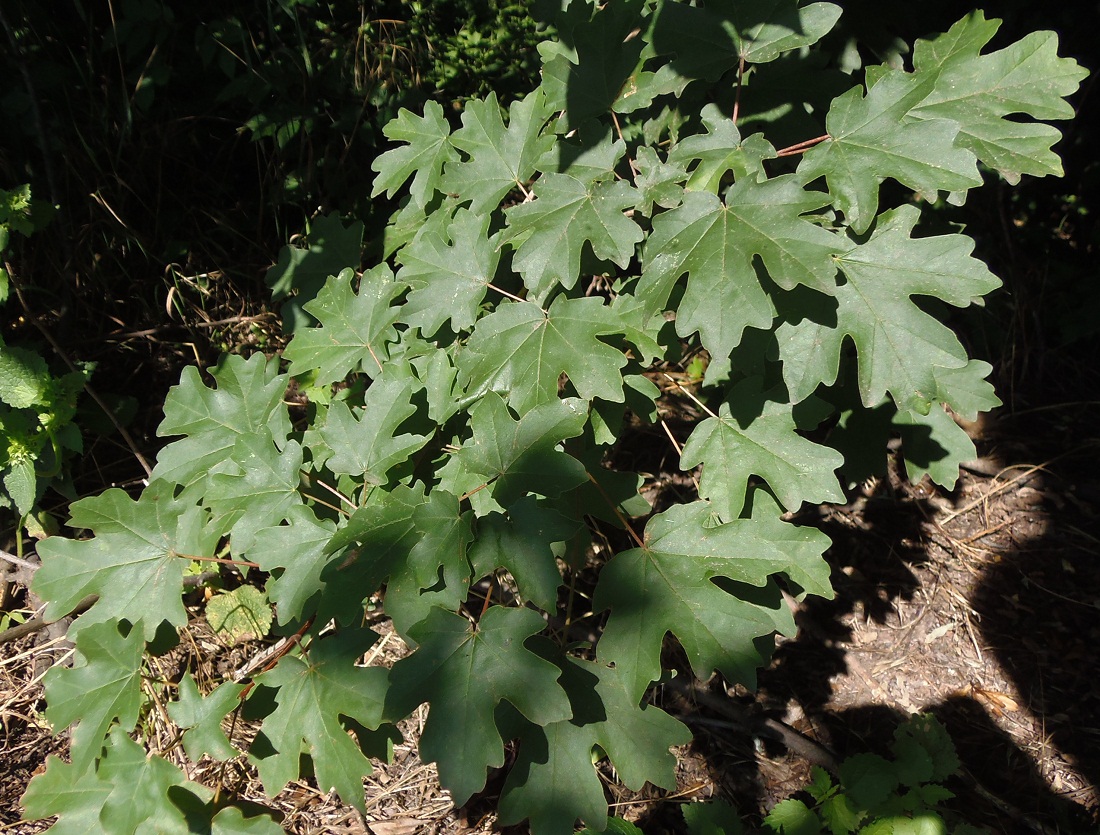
x,y
503,292
737,95
220,560
615,509
801,147
695,399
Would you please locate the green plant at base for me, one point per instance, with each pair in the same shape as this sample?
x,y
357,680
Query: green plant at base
x,y
877,796
37,432
544,272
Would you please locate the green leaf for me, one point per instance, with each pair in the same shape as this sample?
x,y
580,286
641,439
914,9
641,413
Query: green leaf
x,y
248,396
868,779
355,328
499,158
296,555
925,733
761,440
134,563
103,686
436,571
792,817
522,350
21,484
966,390
668,586
550,232
254,488
243,614
719,151
714,243
202,717
711,817
412,541
589,70
311,696
448,266
840,815
428,148
24,378
368,445
301,272
899,346
128,793
463,672
554,780
521,542
659,183
979,91
871,138
708,41
516,457
933,445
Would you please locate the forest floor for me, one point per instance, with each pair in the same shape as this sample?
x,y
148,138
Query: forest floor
x,y
979,606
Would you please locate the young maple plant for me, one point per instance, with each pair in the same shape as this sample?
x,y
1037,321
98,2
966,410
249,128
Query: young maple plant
x,y
705,186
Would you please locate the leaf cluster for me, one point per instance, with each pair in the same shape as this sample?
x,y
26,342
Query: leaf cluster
x,y
449,450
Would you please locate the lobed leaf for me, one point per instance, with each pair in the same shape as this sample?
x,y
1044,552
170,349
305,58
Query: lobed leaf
x,y
464,672
312,693
668,585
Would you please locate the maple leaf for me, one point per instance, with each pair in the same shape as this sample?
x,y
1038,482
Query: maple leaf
x,y
517,456
464,672
104,685
871,138
522,542
411,540
296,556
427,150
448,265
499,158
202,716
669,586
708,41
549,233
248,395
760,440
715,243
436,571
588,71
368,445
979,91
721,149
134,563
554,781
126,794
355,328
898,345
659,183
301,272
254,488
311,694
522,350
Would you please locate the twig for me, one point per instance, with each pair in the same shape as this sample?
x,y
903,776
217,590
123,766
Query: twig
x,y
14,560
740,717
38,623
